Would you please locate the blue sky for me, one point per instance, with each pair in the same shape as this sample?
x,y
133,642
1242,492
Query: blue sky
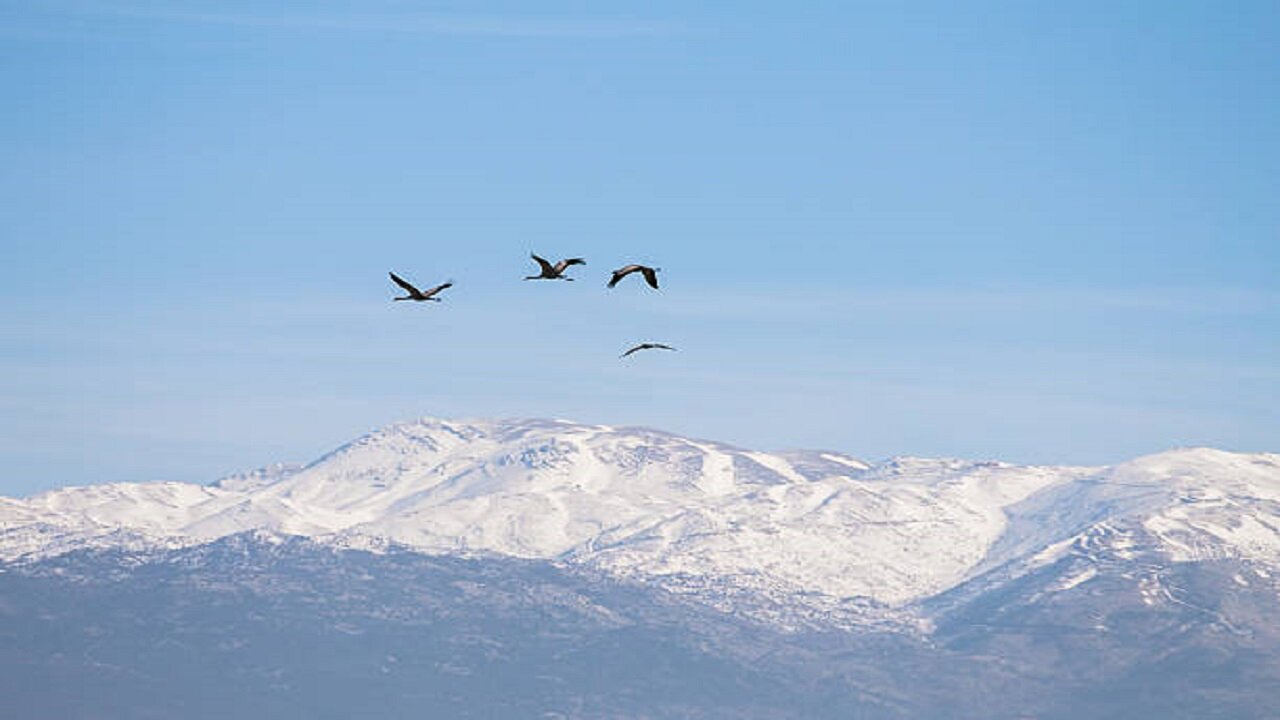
x,y
1028,231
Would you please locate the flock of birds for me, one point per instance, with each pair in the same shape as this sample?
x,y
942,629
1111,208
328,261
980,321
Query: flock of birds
x,y
547,271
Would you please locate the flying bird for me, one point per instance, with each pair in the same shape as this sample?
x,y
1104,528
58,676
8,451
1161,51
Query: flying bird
x,y
646,346
650,274
414,293
554,272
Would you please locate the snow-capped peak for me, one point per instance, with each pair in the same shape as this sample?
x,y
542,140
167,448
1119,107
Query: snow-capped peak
x,y
645,503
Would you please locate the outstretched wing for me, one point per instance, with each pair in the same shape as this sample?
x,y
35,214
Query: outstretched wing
x,y
547,268
650,276
647,346
560,266
404,284
436,289
621,273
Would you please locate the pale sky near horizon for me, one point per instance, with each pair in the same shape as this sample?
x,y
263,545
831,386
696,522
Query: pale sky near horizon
x,y
1035,232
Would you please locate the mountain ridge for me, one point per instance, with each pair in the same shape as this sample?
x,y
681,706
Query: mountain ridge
x,y
819,526
300,628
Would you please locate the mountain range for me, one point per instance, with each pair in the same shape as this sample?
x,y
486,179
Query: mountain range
x,y
757,584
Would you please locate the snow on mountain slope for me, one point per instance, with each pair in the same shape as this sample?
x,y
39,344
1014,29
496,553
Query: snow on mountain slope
x,y
639,502
1195,504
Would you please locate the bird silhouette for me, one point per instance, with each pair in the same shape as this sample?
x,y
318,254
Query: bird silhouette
x,y
553,272
650,274
414,293
646,346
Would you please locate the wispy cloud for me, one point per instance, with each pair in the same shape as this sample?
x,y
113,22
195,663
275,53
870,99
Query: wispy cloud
x,y
781,302
388,20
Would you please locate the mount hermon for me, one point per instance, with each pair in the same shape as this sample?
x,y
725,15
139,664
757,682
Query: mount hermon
x,y
639,503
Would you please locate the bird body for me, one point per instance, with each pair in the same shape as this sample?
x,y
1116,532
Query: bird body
x,y
553,272
646,346
650,274
414,293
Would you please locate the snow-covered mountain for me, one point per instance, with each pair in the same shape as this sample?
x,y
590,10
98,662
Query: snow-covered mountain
x,y
514,569
815,527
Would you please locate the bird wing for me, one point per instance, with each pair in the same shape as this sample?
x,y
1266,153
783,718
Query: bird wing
x,y
547,269
647,346
560,266
621,273
650,276
437,289
404,284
